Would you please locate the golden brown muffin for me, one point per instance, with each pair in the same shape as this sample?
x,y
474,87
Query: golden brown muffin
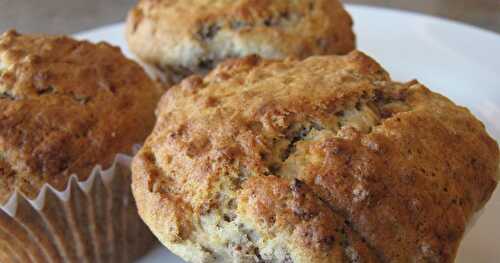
x,y
321,160
65,107
182,37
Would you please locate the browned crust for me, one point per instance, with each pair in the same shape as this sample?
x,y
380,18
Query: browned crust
x,y
193,35
404,168
65,107
311,226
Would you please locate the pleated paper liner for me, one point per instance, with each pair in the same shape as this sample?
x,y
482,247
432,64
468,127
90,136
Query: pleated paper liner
x,y
91,221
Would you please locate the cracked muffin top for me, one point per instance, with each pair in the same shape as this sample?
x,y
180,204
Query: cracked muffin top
x,y
321,160
194,35
66,106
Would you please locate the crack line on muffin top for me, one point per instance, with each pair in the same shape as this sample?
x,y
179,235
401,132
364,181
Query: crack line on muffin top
x,y
364,116
296,133
347,223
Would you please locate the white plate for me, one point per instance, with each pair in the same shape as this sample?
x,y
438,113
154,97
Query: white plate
x,y
459,61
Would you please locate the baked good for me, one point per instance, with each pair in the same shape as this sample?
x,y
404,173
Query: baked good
x,y
192,36
67,106
318,160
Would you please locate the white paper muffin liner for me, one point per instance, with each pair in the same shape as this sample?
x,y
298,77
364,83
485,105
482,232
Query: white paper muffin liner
x,y
90,221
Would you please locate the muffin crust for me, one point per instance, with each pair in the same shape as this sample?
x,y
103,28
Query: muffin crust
x,y
66,106
321,160
183,37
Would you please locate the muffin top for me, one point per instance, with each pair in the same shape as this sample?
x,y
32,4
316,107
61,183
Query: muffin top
x,y
66,106
321,160
193,35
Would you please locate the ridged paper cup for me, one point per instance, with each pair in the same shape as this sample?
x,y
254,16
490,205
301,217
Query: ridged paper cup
x,y
90,221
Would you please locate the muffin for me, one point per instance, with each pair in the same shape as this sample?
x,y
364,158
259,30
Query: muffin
x,y
318,160
70,112
192,36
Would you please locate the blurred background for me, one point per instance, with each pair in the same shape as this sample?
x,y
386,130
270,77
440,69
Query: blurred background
x,y
70,16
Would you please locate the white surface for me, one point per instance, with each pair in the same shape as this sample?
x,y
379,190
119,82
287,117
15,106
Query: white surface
x,y
459,61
